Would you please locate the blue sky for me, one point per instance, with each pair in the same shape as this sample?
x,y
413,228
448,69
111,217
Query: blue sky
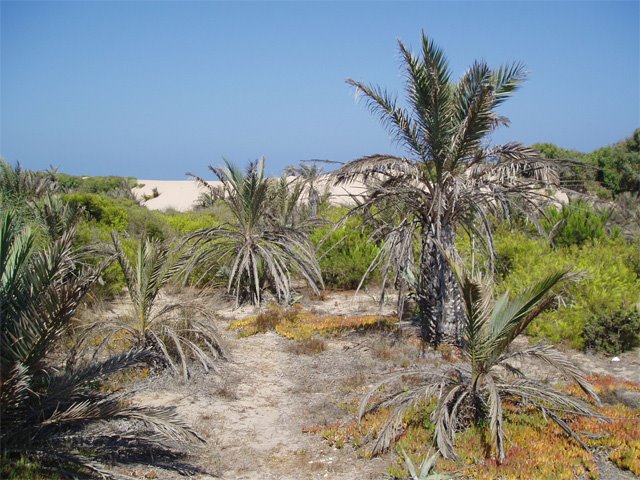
x,y
155,89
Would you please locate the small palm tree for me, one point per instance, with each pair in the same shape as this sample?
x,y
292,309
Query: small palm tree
x,y
426,469
149,325
57,418
451,177
18,185
473,391
310,177
258,251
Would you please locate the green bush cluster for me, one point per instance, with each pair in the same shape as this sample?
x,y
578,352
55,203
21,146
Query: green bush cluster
x,y
345,253
609,287
100,209
614,333
575,223
122,215
111,186
608,171
189,222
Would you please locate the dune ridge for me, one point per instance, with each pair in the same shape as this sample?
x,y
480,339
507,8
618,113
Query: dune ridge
x,y
181,195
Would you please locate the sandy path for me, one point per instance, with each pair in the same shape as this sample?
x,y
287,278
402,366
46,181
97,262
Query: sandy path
x,y
253,419
254,412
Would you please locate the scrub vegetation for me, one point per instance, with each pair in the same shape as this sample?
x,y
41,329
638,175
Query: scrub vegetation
x,y
493,253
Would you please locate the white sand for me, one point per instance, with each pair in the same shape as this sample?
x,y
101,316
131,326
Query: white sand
x,y
180,195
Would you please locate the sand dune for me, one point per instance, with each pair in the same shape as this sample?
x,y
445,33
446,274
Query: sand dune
x,y
180,195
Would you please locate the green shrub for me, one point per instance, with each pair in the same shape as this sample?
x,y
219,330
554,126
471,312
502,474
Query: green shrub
x,y
609,284
111,186
608,171
101,209
144,223
613,333
619,165
575,224
345,254
189,222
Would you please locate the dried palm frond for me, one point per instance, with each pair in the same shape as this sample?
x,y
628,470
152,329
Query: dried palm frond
x,y
61,420
52,419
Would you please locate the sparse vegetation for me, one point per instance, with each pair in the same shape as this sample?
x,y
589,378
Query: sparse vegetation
x,y
598,312
310,346
296,324
82,252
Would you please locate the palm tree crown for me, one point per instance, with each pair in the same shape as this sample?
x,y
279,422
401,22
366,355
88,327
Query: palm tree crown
x,y
261,247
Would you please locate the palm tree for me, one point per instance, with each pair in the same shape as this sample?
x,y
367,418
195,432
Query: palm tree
x,y
310,176
259,251
451,177
489,374
149,326
57,418
18,185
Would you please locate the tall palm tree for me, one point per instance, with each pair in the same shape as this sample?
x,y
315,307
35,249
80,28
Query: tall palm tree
x,y
490,372
451,176
258,250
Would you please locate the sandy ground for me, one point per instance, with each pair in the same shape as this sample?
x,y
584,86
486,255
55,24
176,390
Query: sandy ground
x,y
255,412
180,195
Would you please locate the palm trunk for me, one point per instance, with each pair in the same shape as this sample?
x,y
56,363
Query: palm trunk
x,y
438,293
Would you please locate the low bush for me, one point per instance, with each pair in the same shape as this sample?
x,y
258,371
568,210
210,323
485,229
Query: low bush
x,y
183,223
111,186
145,223
612,333
100,209
311,346
575,224
345,254
295,324
609,284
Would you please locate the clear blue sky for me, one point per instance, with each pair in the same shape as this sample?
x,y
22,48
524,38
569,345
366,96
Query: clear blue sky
x,y
155,89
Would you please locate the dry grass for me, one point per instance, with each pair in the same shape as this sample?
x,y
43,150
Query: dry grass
x,y
311,346
296,324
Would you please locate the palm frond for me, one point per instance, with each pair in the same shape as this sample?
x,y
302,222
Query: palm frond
x,y
47,416
392,116
511,316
